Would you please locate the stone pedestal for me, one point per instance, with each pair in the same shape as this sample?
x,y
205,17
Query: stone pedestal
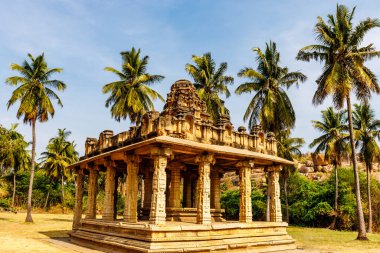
x,y
92,192
245,210
157,209
131,193
274,193
108,206
203,206
78,199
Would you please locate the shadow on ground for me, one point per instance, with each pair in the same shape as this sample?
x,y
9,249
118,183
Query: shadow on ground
x,y
56,234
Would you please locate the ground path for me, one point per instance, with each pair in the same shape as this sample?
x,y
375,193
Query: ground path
x,y
48,233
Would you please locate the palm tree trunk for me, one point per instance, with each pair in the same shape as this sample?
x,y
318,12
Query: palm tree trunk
x,y
333,224
47,199
29,204
286,199
14,189
369,168
359,210
63,189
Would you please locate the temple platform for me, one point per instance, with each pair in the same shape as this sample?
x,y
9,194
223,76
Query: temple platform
x,y
119,236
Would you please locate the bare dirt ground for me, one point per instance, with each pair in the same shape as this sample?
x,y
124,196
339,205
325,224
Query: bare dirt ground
x,y
48,233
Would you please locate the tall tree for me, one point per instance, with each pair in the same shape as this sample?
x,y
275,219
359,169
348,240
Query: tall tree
x,y
34,91
332,143
131,97
14,155
210,82
344,72
59,154
270,106
288,148
367,129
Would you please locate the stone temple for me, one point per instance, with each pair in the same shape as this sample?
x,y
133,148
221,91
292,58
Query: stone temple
x,y
173,163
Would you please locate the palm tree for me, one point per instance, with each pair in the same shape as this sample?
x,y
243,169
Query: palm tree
x,y
288,148
270,106
367,129
210,82
332,142
59,154
131,96
35,91
343,72
13,154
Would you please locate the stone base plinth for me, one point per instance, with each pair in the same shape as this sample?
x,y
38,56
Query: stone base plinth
x,y
183,237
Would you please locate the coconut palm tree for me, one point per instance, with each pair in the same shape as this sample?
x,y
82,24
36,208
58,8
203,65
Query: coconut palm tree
x,y
367,129
35,92
14,155
59,154
131,97
344,72
270,106
332,143
210,82
288,148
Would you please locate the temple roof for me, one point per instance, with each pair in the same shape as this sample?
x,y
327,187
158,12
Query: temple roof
x,y
185,126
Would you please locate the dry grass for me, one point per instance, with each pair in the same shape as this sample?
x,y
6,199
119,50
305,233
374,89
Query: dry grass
x,y
17,236
326,240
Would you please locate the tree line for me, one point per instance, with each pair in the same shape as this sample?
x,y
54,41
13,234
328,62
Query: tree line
x,y
344,74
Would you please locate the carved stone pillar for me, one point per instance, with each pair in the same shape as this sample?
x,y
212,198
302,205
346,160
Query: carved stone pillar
x,y
175,186
157,209
109,198
78,199
215,189
147,188
131,192
203,206
92,192
245,210
274,193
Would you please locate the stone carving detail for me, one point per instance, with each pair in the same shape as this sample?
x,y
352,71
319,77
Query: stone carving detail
x,y
245,212
109,192
274,193
203,201
92,191
185,116
157,209
131,193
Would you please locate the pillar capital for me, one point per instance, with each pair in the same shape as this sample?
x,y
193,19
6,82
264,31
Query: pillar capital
x,y
245,163
273,168
160,151
109,163
131,158
205,158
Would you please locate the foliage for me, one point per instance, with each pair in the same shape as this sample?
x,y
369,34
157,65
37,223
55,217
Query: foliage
x,y
334,134
210,82
131,97
270,105
230,200
344,72
34,92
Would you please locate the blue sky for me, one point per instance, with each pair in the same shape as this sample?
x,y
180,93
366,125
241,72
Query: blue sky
x,y
83,37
